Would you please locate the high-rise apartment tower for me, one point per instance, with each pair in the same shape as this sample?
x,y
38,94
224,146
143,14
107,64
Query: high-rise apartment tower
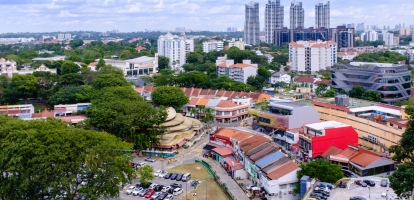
x,y
322,15
252,24
297,15
273,19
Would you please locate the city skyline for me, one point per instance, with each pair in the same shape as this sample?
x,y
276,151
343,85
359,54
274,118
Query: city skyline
x,y
132,15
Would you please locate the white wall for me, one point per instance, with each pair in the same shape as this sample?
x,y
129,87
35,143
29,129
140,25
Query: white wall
x,y
247,72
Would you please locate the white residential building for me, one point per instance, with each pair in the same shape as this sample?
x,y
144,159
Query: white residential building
x,y
388,38
348,55
64,36
189,45
369,36
174,48
238,72
280,77
239,43
312,56
405,31
212,45
396,40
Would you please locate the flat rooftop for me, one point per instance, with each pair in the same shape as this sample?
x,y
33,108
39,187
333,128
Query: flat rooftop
x,y
376,108
353,103
327,124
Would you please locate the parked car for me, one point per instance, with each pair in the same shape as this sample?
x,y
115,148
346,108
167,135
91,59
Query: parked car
x,y
166,188
167,176
177,191
360,183
396,198
140,165
145,186
155,195
174,176
318,196
151,187
384,182
342,184
149,193
162,174
158,188
143,192
157,173
169,197
357,198
162,196
136,191
370,183
179,176
323,192
130,190
150,159
262,198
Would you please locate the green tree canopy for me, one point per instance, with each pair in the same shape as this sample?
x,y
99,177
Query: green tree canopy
x,y
100,64
109,80
76,43
321,169
69,95
163,62
46,156
146,174
356,92
21,87
169,96
69,67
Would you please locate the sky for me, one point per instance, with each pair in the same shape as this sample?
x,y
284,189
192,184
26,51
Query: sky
x,y
212,15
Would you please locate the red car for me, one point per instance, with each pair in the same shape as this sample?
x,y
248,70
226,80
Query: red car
x,y
149,193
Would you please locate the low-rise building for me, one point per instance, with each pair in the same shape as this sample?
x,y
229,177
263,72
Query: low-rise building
x,y
279,77
237,43
213,45
379,126
348,55
238,72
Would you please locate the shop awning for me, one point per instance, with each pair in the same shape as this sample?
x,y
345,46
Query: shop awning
x,y
209,147
180,144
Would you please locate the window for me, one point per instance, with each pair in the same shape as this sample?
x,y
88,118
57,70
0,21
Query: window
x,y
391,124
399,127
292,185
283,186
264,120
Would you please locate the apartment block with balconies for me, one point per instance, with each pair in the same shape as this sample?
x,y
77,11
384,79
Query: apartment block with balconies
x,y
239,72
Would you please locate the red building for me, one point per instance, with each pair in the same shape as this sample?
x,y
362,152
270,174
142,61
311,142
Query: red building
x,y
316,138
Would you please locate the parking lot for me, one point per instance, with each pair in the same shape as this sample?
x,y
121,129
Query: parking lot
x,y
161,181
372,193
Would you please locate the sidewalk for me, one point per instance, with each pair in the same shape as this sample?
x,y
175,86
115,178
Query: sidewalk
x,y
225,178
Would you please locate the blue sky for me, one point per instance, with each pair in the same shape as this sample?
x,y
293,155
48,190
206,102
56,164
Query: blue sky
x,y
215,15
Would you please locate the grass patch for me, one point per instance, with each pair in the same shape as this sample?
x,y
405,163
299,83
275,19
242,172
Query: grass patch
x,y
196,170
213,192
39,107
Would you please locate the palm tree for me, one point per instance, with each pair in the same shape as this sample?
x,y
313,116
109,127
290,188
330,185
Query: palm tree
x,y
208,115
200,109
193,112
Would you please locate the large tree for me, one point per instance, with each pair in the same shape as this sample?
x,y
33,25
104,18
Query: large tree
x,y
169,96
21,87
146,173
321,169
109,80
70,94
402,179
48,157
163,63
356,92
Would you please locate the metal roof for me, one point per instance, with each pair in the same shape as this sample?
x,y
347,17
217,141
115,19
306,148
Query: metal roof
x,y
276,165
269,159
258,148
263,153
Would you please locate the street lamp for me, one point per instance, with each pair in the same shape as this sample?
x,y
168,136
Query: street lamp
x,y
369,195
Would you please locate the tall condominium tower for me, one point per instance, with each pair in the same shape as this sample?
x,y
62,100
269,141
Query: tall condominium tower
x,y
322,15
174,48
297,15
252,24
273,19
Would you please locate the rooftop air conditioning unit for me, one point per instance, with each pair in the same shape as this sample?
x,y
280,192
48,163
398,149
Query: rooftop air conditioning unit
x,y
342,100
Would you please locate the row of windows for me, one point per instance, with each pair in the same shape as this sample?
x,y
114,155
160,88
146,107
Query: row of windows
x,y
264,120
285,186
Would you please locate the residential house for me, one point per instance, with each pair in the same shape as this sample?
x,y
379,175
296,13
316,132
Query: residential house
x,y
277,77
238,72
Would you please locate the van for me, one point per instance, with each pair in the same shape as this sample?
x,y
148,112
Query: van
x,y
186,177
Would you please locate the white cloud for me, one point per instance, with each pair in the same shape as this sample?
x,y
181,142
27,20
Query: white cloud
x,y
66,13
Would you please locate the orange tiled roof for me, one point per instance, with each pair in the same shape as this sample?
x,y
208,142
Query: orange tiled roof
x,y
93,64
194,101
331,151
223,64
283,170
294,44
364,159
263,96
226,104
234,134
202,102
347,153
240,65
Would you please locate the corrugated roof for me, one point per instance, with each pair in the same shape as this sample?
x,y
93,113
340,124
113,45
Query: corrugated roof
x,y
364,159
269,169
266,161
223,151
220,93
228,93
196,92
258,148
347,153
188,92
283,170
234,134
305,79
263,153
212,92
204,92
331,151
234,164
253,142
213,103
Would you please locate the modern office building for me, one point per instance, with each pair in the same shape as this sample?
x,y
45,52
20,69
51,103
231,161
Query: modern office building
x,y
174,48
252,24
312,56
274,16
212,45
297,15
322,15
342,36
238,72
392,81
369,36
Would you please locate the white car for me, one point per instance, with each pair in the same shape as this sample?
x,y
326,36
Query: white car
x,y
156,173
130,190
161,175
166,188
396,198
169,197
136,191
177,191
154,196
249,187
152,186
